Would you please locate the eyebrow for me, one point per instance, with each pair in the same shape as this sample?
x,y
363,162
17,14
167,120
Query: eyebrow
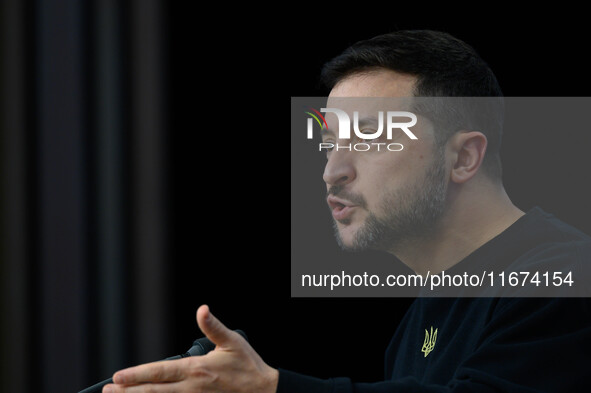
x,y
364,121
367,121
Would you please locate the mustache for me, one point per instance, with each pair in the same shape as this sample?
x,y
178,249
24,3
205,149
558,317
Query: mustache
x,y
340,192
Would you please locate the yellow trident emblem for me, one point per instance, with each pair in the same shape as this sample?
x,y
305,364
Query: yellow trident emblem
x,y
429,343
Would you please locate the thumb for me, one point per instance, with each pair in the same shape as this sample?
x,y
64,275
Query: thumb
x,y
213,329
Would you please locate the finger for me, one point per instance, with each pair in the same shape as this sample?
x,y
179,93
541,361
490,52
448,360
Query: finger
x,y
150,387
164,371
213,328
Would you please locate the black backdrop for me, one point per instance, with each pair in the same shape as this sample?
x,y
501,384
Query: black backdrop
x,y
212,225
317,336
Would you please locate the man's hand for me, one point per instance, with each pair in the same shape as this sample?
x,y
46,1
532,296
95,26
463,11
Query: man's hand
x,y
233,366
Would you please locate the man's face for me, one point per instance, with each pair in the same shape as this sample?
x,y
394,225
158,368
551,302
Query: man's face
x,y
380,199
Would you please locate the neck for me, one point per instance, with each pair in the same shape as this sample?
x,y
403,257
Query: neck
x,y
475,214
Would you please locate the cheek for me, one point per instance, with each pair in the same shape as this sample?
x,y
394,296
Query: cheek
x,y
384,173
380,177
413,160
387,165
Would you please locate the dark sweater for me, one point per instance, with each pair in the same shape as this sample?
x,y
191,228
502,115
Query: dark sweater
x,y
490,344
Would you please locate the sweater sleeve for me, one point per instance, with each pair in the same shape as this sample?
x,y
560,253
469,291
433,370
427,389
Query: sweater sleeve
x,y
522,350
291,382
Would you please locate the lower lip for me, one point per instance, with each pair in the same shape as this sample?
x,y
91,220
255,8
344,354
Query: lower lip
x,y
341,213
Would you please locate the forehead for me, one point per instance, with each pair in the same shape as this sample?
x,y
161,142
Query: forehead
x,y
371,91
375,83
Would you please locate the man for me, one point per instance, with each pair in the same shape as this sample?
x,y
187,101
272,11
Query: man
x,y
439,207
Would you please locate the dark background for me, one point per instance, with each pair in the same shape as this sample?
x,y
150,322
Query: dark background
x,y
144,172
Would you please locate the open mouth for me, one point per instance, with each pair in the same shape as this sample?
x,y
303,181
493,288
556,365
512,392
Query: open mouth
x,y
341,209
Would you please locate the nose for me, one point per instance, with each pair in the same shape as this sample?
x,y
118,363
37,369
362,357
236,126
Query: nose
x,y
339,169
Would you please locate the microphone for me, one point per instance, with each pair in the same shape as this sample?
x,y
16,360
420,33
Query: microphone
x,y
200,347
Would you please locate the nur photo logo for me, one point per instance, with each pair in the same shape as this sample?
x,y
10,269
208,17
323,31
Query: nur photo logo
x,y
367,130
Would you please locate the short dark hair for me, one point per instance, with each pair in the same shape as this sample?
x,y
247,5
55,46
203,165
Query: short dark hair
x,y
444,67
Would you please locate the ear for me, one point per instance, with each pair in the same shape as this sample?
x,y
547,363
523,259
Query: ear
x,y
469,149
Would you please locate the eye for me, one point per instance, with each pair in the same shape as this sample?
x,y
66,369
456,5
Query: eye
x,y
328,149
367,131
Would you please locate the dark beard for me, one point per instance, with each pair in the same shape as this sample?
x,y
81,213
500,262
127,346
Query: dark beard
x,y
410,213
